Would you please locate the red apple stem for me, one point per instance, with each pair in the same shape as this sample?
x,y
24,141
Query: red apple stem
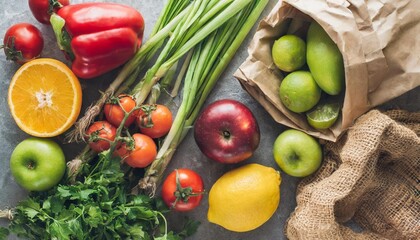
x,y
226,134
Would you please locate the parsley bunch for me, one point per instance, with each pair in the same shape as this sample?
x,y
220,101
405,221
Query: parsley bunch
x,y
97,207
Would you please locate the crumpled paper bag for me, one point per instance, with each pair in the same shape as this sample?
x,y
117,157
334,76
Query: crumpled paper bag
x,y
379,41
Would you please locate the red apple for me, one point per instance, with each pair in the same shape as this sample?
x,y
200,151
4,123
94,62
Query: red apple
x,y
227,131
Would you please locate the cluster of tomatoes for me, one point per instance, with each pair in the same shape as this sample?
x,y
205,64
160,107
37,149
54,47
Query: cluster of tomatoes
x,y
182,189
138,150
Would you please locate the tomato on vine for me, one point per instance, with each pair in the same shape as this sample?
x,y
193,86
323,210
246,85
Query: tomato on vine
x,y
139,153
42,9
154,120
22,43
183,189
116,109
100,135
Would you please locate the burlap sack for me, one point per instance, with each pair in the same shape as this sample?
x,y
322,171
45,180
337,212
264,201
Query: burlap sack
x,y
371,175
379,41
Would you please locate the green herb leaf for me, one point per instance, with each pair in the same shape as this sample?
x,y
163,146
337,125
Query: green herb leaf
x,y
63,192
4,232
59,230
190,227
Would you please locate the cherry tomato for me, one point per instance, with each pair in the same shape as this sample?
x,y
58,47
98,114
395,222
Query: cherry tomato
x,y
142,154
22,43
42,9
115,112
154,120
182,189
100,135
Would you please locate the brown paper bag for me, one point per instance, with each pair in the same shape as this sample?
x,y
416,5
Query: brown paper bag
x,y
379,41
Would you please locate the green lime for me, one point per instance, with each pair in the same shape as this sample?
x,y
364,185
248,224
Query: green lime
x,y
323,116
289,53
299,92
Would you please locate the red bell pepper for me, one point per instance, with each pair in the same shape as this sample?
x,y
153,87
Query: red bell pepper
x,y
98,37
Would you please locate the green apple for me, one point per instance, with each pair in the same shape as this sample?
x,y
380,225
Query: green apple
x,y
37,164
297,153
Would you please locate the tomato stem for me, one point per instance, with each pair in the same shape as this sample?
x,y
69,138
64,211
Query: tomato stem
x,y
52,5
11,52
95,136
182,193
146,118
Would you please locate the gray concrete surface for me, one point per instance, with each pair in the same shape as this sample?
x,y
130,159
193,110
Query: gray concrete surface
x,y
187,155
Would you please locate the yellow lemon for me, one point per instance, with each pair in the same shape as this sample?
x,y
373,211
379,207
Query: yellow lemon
x,y
244,198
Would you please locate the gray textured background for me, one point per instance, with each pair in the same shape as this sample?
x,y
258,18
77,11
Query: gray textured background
x,y
187,155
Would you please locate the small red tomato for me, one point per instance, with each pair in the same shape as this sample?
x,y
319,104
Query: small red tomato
x,y
154,120
115,112
22,43
42,9
142,154
182,189
100,135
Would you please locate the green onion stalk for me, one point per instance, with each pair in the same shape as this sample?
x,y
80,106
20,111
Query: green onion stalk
x,y
174,11
210,58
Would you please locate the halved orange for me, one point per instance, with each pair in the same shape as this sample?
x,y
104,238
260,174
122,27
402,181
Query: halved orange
x,y
44,97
